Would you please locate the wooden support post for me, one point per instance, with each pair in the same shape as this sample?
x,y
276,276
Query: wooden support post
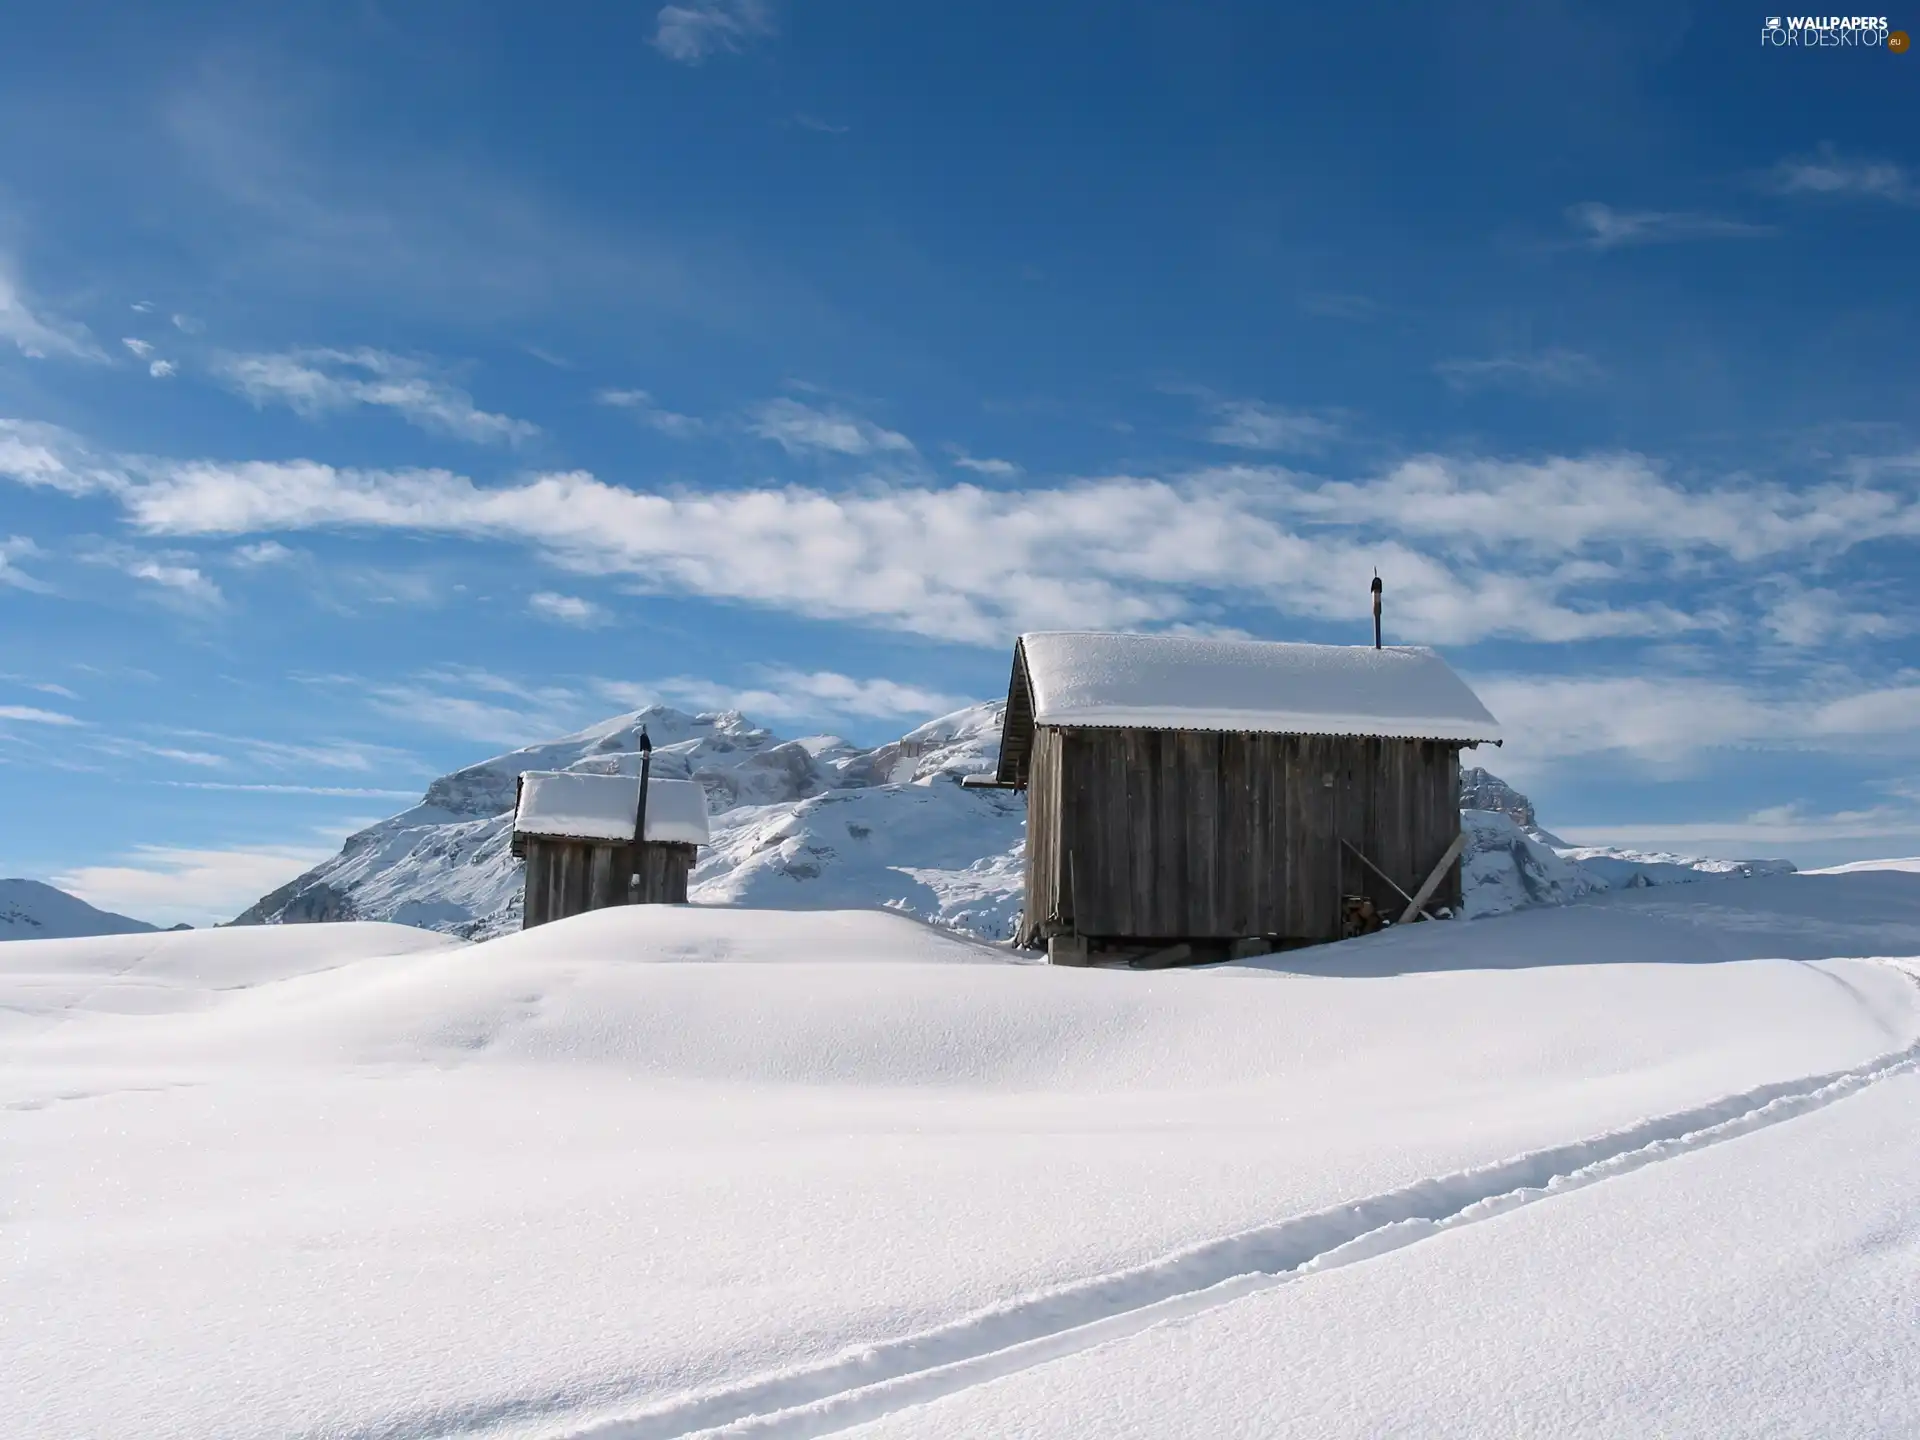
x,y
1067,950
1432,883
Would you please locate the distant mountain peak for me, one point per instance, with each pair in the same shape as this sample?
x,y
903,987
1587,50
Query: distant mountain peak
x,y
34,910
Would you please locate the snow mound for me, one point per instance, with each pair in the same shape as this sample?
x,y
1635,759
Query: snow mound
x,y
166,971
1504,868
1909,865
30,910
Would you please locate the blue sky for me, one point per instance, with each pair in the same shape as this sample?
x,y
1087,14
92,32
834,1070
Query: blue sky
x,y
385,385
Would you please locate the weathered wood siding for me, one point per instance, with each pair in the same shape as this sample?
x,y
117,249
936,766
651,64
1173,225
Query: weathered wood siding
x,y
569,877
1186,835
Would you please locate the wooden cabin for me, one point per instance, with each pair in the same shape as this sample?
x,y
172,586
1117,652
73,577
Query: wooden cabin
x,y
576,833
1191,798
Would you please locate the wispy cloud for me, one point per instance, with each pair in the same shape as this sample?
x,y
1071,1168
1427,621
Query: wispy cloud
x,y
1669,718
45,687
984,465
1553,549
173,574
1781,825
139,348
314,382
1256,425
783,693
1828,173
35,333
32,715
162,369
641,406
472,703
1540,370
567,609
263,552
690,33
815,123
1601,227
13,549
805,429
344,792
1337,306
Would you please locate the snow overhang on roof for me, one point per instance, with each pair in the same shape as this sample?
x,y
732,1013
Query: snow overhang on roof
x,y
1180,682
565,805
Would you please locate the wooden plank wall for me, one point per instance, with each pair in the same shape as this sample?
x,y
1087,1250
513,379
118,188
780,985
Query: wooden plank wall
x,y
1048,907
570,877
1182,835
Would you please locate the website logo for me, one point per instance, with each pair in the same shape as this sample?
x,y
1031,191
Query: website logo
x,y
1828,32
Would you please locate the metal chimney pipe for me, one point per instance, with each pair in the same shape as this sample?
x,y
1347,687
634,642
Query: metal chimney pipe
x,y
1376,609
640,820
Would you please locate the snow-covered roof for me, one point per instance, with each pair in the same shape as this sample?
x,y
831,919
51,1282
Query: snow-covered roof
x,y
1183,682
567,805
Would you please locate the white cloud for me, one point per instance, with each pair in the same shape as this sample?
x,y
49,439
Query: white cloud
x,y
984,465
45,687
472,703
1804,617
175,573
1667,719
264,552
1255,425
1567,505
1543,370
567,609
1602,227
1782,825
187,325
1553,549
690,33
184,579
640,404
313,382
801,429
162,369
167,884
31,715
140,348
1826,173
14,548
346,792
35,334
782,693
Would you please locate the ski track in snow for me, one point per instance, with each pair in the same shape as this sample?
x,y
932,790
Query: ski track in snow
x,y
885,1377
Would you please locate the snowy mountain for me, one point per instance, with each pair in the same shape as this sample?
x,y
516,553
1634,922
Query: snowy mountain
x,y
816,823
808,824
30,910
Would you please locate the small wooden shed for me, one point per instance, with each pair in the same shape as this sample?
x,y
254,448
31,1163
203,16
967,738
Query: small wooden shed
x,y
1189,798
576,833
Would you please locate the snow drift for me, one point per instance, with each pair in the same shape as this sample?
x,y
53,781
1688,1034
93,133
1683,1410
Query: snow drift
x,y
659,1167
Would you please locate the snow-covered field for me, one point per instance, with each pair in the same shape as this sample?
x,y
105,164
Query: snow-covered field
x,y
1639,1165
